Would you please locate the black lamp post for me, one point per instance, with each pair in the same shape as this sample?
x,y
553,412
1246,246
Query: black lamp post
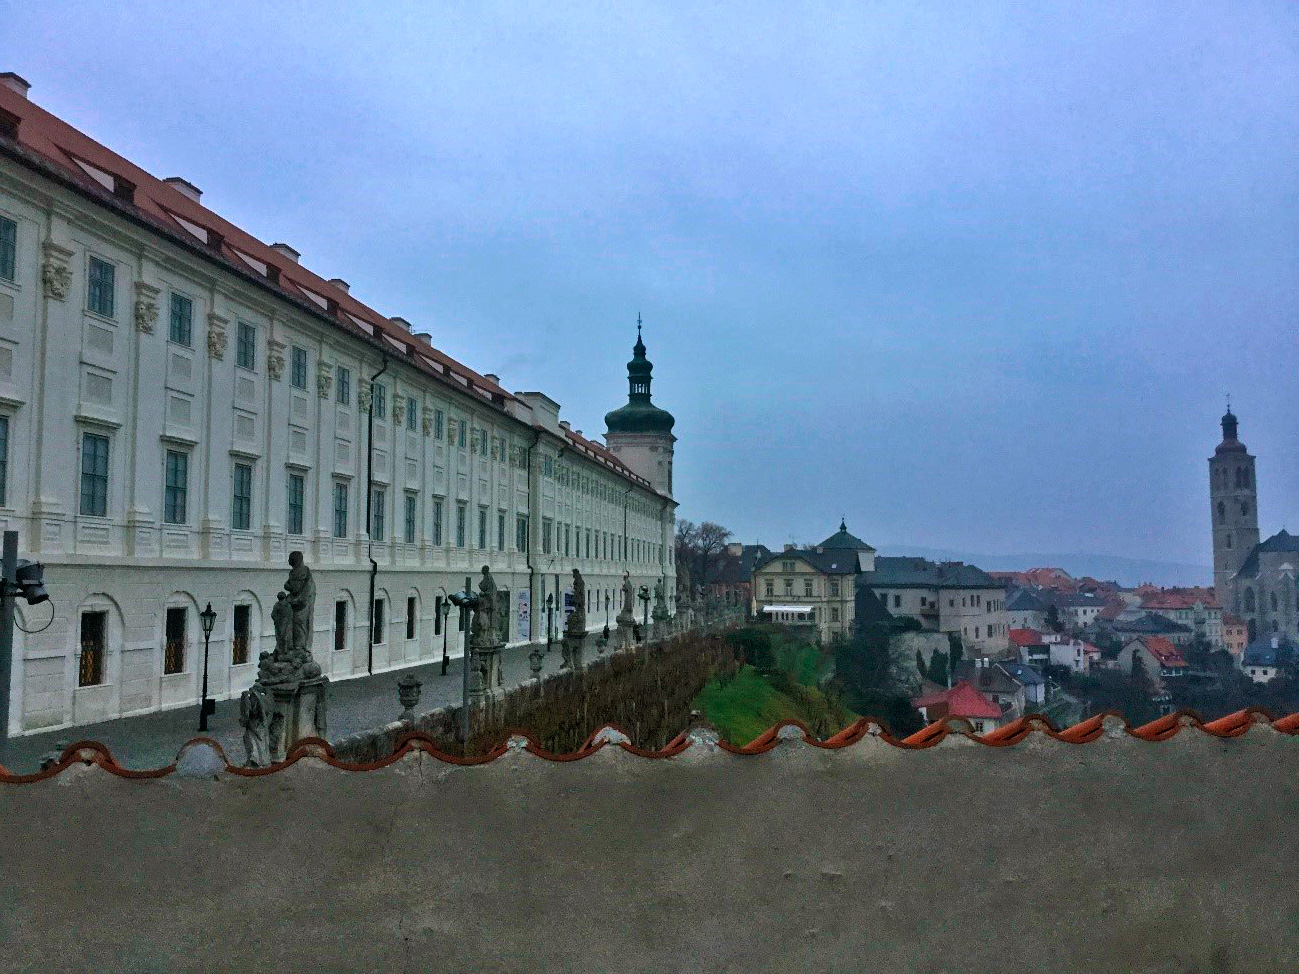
x,y
550,618
446,615
208,619
606,616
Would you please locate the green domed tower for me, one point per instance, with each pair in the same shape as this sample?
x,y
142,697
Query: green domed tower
x,y
640,433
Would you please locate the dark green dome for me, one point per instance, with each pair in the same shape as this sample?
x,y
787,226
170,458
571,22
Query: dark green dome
x,y
640,415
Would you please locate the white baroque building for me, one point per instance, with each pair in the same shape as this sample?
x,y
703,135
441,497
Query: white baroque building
x,y
182,405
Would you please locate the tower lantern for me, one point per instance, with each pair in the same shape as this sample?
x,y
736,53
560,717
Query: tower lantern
x,y
640,433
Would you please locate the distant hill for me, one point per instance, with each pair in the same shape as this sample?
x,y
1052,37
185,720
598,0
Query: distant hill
x,y
1126,571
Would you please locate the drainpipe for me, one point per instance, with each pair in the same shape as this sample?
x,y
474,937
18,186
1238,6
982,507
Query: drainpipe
x,y
369,497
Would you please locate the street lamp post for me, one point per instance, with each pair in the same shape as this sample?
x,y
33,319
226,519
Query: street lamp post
x,y
550,619
208,619
606,617
645,601
446,615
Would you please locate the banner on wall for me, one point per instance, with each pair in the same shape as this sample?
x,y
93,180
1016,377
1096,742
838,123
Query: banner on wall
x,y
525,615
568,605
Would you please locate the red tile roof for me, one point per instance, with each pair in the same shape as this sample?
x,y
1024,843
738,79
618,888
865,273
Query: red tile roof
x,y
51,144
1085,732
1163,600
1164,651
962,700
1025,637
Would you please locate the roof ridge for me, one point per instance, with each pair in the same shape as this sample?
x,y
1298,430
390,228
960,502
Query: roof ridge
x,y
1087,731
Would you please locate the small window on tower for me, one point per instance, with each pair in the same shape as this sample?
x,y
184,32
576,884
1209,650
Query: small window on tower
x,y
1244,509
1222,512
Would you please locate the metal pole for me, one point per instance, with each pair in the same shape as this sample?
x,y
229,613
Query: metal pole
x,y
446,613
202,704
464,677
8,588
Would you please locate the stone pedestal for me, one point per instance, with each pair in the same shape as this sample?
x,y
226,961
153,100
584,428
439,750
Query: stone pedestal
x,y
626,621
298,710
660,617
487,671
572,649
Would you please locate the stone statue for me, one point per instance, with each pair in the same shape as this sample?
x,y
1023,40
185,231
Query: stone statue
x,y
292,615
628,595
254,714
577,618
660,596
484,624
301,588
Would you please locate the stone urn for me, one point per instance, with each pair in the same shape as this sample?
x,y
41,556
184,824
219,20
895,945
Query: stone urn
x,y
409,689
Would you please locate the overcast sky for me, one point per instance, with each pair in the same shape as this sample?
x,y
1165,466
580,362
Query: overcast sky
x,y
974,276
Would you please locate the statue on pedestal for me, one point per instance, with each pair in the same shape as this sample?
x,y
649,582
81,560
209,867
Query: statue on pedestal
x,y
289,699
628,599
577,618
485,633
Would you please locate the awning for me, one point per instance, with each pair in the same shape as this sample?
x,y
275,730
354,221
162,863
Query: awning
x,y
805,609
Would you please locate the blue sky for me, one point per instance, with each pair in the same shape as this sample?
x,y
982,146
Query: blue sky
x,y
974,276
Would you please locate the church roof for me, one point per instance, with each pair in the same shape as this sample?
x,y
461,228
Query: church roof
x,y
1283,540
843,539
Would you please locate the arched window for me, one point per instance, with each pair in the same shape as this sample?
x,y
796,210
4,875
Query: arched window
x,y
1222,512
1275,626
1240,480
1244,509
1273,598
1249,604
1228,540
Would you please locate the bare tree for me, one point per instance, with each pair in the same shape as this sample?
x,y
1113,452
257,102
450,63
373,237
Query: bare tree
x,y
700,546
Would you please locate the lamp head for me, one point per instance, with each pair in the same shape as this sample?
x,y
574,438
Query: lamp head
x,y
208,618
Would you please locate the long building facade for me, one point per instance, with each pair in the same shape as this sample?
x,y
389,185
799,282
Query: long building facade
x,y
182,405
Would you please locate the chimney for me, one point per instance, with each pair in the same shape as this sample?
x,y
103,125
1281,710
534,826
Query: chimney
x,y
185,188
565,424
579,433
493,379
285,250
341,284
15,83
790,546
424,337
401,323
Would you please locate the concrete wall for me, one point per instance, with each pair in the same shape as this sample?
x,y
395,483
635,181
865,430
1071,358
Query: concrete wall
x,y
1116,855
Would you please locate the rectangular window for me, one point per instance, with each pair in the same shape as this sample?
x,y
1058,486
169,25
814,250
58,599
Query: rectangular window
x,y
410,617
343,392
461,433
241,510
789,586
412,414
500,531
246,346
437,522
99,293
462,515
545,535
439,423
521,532
378,503
297,503
568,536
242,635
175,501
482,442
182,320
807,588
4,460
588,542
340,625
298,367
410,519
380,627
90,669
173,651
770,587
94,474
380,401
340,509
834,589
482,528
8,249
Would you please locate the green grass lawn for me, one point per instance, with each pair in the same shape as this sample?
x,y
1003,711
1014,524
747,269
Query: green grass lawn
x,y
749,704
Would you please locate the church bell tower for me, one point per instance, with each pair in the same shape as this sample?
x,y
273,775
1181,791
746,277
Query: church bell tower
x,y
639,433
1233,498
